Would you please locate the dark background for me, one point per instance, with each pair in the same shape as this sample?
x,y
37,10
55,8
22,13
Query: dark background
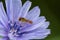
x,y
51,10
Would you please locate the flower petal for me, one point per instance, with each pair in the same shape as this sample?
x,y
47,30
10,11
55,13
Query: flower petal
x,y
4,38
41,18
3,31
39,34
39,23
45,25
17,5
21,38
32,27
13,8
33,14
24,9
3,16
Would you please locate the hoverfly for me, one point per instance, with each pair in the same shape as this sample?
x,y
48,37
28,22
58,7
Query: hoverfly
x,y
25,20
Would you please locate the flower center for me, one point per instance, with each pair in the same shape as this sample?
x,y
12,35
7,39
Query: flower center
x,y
17,26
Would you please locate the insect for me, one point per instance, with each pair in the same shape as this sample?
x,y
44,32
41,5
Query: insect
x,y
25,20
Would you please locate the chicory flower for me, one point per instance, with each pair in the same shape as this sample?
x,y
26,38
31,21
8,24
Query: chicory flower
x,y
20,23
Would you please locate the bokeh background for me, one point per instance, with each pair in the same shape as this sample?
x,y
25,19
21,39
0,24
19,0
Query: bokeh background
x,y
51,10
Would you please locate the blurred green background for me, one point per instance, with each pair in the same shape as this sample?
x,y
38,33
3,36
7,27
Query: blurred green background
x,y
51,10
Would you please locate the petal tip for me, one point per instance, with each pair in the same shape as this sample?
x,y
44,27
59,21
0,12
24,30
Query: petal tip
x,y
48,23
1,3
29,1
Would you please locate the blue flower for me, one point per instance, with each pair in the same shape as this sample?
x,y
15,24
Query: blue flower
x,y
20,23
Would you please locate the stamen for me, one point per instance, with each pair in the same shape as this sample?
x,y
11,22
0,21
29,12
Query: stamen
x,y
17,26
